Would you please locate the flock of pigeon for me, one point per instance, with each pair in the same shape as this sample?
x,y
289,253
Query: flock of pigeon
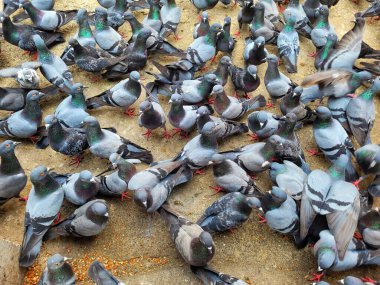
x,y
320,207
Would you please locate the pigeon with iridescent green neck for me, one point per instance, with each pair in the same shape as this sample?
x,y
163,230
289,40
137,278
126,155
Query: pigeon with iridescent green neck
x,y
115,14
328,194
302,22
48,20
153,19
322,28
260,27
368,158
12,176
225,43
57,269
170,16
101,276
361,113
288,45
43,205
322,55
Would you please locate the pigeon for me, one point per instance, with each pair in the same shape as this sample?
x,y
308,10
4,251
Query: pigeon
x,y
180,116
374,187
255,52
347,50
289,177
291,103
311,9
361,113
221,72
115,14
280,211
225,43
25,74
224,128
12,176
228,212
246,80
350,280
288,45
276,83
246,13
22,35
230,177
43,205
231,108
68,141
373,10
260,27
210,276
302,22
57,269
334,83
193,243
328,194
80,187
104,142
202,5
15,4
153,19
368,228
333,140
368,158
327,256
25,123
122,95
323,54
88,220
116,183
48,20
152,198
101,276
272,14
106,3
151,117
72,110
322,28
53,67
106,37
262,124
170,16
84,36
202,28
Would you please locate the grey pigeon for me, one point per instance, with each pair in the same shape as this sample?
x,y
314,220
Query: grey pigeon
x,y
152,198
291,103
106,3
25,123
202,28
311,9
183,117
302,22
88,220
323,54
361,113
48,20
202,5
276,83
13,5
122,95
193,243
25,74
261,27
101,276
104,142
289,177
262,124
373,10
246,80
229,211
230,177
57,271
254,51
116,183
80,187
281,211
115,14
224,128
328,194
151,117
53,67
368,158
221,72
374,187
246,13
170,16
12,175
230,107
351,280
338,108
210,276
289,46
333,140
368,228
153,19
43,205
327,256
271,13
322,28
225,43
72,110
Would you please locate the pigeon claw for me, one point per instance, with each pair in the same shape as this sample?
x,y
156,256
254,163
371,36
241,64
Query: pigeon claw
x,y
357,182
23,198
76,160
253,137
313,152
34,139
199,172
166,135
213,59
352,95
95,79
210,101
262,219
125,196
176,131
130,112
216,188
57,218
368,280
148,133
358,236
312,54
237,34
317,276
269,105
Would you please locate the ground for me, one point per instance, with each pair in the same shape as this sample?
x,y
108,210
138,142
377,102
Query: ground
x,y
136,246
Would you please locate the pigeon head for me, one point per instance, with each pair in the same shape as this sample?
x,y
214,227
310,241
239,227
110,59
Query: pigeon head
x,y
290,118
90,121
39,174
216,28
100,11
208,128
203,110
176,99
217,89
141,198
128,16
134,75
253,202
73,42
81,15
144,33
322,10
366,157
297,92
204,18
259,8
262,117
260,41
206,239
252,70
323,113
98,209
226,60
145,106
364,75
77,88
227,20
326,258
275,140
34,95
114,158
8,146
350,280
376,84
278,194
56,262
272,59
85,176
49,120
210,78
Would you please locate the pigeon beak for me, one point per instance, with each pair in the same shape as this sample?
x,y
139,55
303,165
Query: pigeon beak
x,y
114,165
170,101
66,258
261,125
341,281
210,249
93,179
265,164
261,209
140,112
16,143
254,76
294,94
145,204
106,215
319,269
50,170
198,115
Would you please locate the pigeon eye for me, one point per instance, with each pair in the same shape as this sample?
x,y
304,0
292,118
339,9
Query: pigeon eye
x,y
7,145
42,174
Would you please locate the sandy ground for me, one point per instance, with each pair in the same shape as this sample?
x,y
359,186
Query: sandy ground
x,y
136,246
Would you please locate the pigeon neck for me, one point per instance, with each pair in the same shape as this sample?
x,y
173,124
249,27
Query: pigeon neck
x,y
222,101
84,189
267,151
32,11
47,186
101,23
209,141
326,49
79,50
368,94
286,129
210,37
11,31
272,71
336,172
120,5
44,54
56,132
227,29
323,123
9,163
125,171
61,274
171,3
94,133
322,21
133,86
78,100
177,112
33,110
154,12
221,72
84,29
139,45
135,25
289,28
202,120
